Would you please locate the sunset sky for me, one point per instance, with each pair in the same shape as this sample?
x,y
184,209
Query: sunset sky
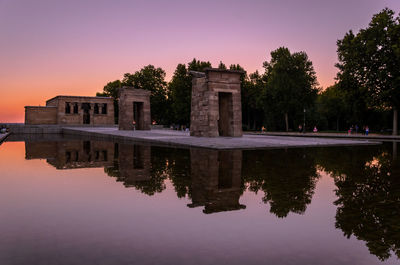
x,y
75,47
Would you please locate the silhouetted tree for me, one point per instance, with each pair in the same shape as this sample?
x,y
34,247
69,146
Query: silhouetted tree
x,y
111,90
222,66
291,83
372,59
180,88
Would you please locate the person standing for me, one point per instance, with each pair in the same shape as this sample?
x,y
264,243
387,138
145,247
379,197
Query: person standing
x,y
366,130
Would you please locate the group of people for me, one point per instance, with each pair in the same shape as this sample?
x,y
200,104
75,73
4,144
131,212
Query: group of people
x,y
4,129
315,129
179,127
355,129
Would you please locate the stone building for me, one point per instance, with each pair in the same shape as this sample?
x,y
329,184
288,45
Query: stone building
x,y
134,109
216,180
216,103
72,110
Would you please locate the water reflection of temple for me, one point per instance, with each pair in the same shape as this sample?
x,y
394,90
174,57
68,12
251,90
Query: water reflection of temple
x,y
72,154
216,180
133,164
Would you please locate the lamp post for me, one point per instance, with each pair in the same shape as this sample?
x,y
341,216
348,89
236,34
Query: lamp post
x,y
304,120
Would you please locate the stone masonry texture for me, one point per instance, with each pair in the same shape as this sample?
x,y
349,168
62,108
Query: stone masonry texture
x,y
216,104
127,98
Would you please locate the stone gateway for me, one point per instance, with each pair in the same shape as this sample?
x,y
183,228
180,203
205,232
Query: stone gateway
x,y
134,109
216,103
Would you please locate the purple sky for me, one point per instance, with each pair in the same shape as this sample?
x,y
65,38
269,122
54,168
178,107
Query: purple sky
x,y
75,47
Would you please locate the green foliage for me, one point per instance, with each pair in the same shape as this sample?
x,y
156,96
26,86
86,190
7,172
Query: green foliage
x,y
251,91
331,105
291,83
152,79
371,58
197,65
180,87
222,66
111,90
148,78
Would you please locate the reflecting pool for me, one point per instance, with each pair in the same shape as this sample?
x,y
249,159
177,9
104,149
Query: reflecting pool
x,y
82,201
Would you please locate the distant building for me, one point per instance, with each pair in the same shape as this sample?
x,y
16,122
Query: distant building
x,y
72,110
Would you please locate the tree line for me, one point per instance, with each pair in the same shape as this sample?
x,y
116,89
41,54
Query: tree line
x,y
366,90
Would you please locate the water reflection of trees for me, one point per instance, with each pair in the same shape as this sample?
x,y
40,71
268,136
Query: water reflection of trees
x,y
287,177
368,190
367,179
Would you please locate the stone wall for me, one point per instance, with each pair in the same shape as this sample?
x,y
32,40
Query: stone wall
x,y
40,115
77,111
127,97
210,117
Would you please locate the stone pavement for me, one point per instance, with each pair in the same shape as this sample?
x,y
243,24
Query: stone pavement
x,y
359,136
179,138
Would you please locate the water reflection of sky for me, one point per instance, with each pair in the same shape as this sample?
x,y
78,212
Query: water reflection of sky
x,y
84,216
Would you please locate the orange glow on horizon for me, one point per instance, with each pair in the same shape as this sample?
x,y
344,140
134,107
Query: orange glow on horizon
x,y
59,48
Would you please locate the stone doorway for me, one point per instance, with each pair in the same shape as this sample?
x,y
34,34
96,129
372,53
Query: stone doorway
x,y
216,103
86,113
138,115
225,114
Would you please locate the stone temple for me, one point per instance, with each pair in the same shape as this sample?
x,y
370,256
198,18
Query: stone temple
x,y
134,109
216,103
72,110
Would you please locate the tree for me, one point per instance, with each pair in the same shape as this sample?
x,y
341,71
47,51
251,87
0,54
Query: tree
x,y
252,112
222,66
372,58
331,104
152,79
148,78
111,90
291,82
180,88
197,65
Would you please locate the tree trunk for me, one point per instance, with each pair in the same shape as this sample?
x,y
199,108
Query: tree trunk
x,y
287,122
395,129
248,119
337,124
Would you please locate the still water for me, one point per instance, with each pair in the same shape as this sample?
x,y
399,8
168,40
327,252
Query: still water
x,y
80,201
